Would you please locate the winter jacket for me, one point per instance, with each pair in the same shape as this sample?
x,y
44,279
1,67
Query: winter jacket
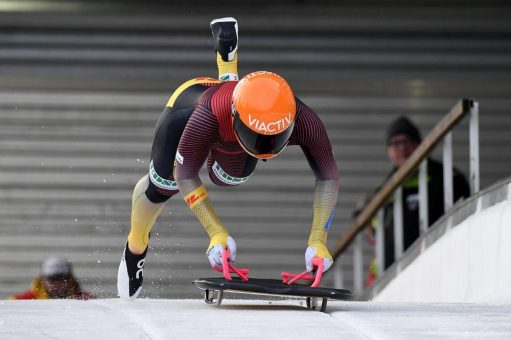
x,y
37,291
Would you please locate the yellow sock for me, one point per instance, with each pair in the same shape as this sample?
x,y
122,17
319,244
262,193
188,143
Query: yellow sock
x,y
143,216
227,70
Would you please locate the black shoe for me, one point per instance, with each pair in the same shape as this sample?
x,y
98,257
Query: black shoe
x,y
225,35
130,274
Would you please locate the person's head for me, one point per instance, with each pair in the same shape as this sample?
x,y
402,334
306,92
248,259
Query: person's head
x,y
264,110
57,277
403,137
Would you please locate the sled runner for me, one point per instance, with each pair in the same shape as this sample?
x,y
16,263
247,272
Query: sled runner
x,y
214,288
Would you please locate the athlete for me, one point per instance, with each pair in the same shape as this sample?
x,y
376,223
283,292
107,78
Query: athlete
x,y
231,125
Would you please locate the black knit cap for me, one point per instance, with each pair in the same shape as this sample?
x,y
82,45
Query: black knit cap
x,y
403,125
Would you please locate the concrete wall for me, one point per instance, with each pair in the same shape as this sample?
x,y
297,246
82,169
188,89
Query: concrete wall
x,y
469,263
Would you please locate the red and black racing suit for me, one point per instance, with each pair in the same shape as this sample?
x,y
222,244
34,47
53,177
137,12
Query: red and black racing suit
x,y
196,126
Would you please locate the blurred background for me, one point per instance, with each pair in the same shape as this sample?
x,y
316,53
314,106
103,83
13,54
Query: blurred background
x,y
82,84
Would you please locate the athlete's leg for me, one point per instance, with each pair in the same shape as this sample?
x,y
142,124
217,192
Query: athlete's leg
x,y
143,216
149,197
154,189
225,36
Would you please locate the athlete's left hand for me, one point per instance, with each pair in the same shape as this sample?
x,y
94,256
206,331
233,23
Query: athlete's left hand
x,y
318,250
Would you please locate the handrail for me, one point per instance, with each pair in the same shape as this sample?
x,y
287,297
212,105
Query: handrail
x,y
489,197
440,130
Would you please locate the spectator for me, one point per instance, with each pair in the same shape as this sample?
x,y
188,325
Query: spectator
x,y
56,281
403,138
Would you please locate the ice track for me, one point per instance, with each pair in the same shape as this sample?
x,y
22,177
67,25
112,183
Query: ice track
x,y
143,319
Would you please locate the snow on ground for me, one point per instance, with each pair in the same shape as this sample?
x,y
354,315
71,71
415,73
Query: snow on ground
x,y
113,319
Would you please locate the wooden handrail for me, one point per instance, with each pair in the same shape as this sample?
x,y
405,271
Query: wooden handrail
x,y
442,128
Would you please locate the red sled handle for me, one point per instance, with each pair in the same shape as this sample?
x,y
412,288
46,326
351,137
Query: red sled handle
x,y
316,262
228,268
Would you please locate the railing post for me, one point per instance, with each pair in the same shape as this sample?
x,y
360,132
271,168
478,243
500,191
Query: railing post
x,y
380,243
423,196
443,127
474,147
447,160
358,265
398,223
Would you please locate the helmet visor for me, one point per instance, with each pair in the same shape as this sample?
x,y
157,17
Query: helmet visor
x,y
260,145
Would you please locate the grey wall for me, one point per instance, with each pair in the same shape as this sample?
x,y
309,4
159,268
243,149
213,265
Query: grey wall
x,y
80,93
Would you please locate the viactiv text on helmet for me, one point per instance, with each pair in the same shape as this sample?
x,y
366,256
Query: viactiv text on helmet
x,y
271,127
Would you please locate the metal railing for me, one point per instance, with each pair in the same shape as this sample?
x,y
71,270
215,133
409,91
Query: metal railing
x,y
393,186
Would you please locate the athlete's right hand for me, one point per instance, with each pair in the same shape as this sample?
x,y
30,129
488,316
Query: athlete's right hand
x,y
319,251
217,245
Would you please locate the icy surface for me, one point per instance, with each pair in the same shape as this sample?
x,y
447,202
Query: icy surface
x,y
249,319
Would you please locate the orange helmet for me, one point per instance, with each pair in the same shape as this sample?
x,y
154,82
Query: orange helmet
x,y
264,110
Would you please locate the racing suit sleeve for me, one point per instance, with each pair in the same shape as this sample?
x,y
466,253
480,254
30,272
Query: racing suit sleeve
x,y
314,141
199,134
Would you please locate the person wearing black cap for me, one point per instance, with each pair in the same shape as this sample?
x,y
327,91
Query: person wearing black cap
x,y
403,138
56,281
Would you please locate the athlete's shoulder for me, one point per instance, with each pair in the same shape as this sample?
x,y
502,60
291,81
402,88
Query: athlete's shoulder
x,y
194,87
219,97
305,115
308,129
224,88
